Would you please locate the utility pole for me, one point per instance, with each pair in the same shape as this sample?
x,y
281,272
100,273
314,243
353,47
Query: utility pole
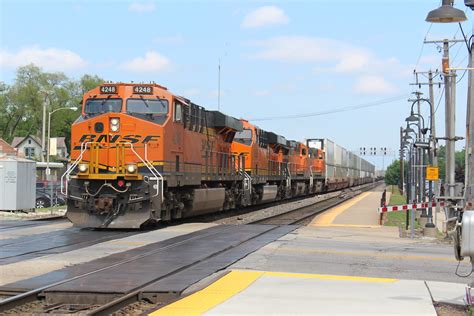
x,y
469,176
219,86
43,130
450,95
450,109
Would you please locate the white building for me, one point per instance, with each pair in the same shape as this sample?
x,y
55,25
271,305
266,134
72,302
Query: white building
x,y
30,147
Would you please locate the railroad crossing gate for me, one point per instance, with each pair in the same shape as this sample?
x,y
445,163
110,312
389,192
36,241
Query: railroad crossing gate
x,y
432,173
397,208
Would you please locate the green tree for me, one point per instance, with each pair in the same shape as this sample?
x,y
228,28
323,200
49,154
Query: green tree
x,y
459,162
392,174
21,104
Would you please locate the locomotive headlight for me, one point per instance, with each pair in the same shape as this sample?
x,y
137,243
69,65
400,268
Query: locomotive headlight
x,y
83,167
114,124
131,168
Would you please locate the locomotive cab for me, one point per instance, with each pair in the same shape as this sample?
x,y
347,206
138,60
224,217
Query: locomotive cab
x,y
113,181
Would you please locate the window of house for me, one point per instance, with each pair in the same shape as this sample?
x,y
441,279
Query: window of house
x,y
29,152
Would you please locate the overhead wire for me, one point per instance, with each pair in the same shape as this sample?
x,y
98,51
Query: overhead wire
x,y
338,110
423,45
439,100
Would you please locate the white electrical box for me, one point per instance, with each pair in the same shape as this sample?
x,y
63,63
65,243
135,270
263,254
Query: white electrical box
x,y
17,184
467,238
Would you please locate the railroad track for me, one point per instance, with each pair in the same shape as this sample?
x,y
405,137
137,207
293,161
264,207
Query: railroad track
x,y
196,256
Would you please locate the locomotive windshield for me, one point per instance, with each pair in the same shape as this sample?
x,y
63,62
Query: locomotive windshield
x,y
147,106
99,106
244,137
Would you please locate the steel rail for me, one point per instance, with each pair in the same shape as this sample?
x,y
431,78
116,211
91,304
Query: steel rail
x,y
32,295
136,295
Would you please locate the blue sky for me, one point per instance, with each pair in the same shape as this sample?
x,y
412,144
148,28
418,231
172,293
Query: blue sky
x,y
278,58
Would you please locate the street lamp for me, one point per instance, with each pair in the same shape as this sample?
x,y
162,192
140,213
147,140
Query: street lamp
x,y
48,171
446,13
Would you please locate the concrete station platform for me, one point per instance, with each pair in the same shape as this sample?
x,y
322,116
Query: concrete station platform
x,y
243,292
342,263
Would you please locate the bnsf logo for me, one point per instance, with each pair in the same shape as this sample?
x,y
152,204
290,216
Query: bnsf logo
x,y
98,138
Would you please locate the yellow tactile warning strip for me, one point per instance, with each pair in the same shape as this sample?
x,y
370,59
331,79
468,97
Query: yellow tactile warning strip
x,y
237,281
216,293
327,218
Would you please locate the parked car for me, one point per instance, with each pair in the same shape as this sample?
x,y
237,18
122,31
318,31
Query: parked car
x,y
43,194
42,200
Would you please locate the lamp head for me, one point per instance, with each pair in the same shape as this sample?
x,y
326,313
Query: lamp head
x,y
412,118
446,13
469,3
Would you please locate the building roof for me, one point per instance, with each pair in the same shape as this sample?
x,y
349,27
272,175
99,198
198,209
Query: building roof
x,y
61,141
18,140
7,149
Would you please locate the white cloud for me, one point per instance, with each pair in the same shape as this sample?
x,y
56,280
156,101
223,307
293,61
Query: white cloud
x,y
152,62
52,59
328,55
265,16
374,85
141,7
305,49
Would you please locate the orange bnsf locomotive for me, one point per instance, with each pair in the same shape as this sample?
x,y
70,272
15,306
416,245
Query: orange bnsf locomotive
x,y
143,154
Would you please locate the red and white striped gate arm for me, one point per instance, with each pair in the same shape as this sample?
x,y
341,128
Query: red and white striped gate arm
x,y
395,208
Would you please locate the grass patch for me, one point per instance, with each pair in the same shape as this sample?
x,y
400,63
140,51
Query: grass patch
x,y
396,198
396,218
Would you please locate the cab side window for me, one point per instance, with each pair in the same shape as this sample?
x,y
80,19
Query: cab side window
x,y
178,112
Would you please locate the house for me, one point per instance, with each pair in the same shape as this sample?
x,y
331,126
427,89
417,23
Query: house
x,y
30,147
7,150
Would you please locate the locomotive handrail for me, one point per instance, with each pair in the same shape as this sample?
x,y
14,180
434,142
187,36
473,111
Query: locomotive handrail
x,y
152,169
71,168
156,174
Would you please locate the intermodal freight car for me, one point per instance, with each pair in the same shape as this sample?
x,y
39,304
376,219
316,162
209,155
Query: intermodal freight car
x,y
141,154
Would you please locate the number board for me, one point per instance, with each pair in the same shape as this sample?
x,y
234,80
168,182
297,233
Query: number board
x,y
142,89
432,173
108,89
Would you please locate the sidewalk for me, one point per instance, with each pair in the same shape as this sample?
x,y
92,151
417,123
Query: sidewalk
x,y
245,292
